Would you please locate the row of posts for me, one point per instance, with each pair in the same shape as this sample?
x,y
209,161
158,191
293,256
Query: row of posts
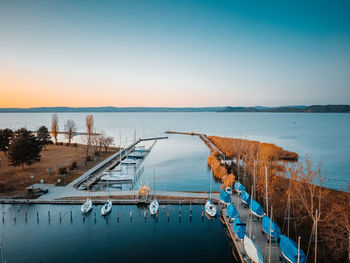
x,y
71,215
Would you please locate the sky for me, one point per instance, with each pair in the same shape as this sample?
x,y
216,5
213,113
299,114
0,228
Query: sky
x,y
174,53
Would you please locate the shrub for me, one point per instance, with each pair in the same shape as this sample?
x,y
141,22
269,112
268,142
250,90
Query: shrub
x,y
62,170
67,144
61,143
57,143
73,166
75,144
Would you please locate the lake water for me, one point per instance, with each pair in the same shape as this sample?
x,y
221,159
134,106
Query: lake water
x,y
178,162
101,240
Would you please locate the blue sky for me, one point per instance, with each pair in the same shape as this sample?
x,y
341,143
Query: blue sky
x,y
174,53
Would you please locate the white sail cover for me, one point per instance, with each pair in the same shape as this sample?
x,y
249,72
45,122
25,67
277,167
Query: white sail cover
x,y
252,250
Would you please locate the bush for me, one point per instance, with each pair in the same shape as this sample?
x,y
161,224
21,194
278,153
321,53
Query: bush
x,y
75,144
61,143
57,143
67,144
73,166
88,158
62,170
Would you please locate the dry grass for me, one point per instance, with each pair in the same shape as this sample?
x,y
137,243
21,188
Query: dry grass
x,y
14,180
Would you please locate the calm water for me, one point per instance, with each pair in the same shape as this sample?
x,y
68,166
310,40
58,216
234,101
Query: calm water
x,y
324,137
101,240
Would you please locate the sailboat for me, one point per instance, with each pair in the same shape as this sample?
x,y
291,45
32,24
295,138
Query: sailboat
x,y
87,206
252,250
239,187
210,208
245,197
239,228
232,212
270,228
256,209
107,207
291,252
154,206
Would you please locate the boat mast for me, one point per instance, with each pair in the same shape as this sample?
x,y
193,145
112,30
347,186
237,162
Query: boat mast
x,y
210,186
316,236
250,218
154,184
269,254
267,195
298,249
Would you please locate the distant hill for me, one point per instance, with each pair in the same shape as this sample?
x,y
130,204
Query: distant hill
x,y
312,108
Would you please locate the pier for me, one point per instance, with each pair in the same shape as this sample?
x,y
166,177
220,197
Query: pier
x,y
254,231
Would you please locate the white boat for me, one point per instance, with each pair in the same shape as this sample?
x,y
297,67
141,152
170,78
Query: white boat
x,y
210,208
137,154
106,208
129,161
228,190
252,250
87,206
116,177
154,206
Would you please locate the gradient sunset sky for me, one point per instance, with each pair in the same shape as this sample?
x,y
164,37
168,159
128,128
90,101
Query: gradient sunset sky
x,y
174,53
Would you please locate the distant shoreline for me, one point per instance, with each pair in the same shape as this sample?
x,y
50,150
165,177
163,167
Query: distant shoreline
x,y
281,109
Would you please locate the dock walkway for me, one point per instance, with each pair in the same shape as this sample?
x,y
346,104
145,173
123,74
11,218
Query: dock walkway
x,y
254,230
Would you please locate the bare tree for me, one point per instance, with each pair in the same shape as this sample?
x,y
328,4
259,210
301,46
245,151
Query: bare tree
x,y
70,128
54,126
107,142
89,122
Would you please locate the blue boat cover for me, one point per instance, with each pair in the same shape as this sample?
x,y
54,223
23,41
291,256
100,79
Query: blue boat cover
x,y
239,228
225,197
245,197
275,230
232,211
290,250
239,187
256,208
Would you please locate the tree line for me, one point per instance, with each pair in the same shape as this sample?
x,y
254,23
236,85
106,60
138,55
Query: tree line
x,y
23,147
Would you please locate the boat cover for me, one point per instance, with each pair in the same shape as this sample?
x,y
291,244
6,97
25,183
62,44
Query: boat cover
x,y
239,187
290,250
275,230
239,228
245,197
256,208
232,211
225,197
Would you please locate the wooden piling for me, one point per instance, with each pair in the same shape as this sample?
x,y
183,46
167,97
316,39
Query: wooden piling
x,y
60,216
26,216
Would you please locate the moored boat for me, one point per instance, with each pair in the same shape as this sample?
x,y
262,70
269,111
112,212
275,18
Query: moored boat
x,y
228,190
225,198
239,228
106,208
232,212
87,206
270,228
252,250
256,208
239,187
245,197
210,208
154,206
290,251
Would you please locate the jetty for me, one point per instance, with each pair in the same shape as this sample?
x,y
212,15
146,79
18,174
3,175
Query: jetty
x,y
254,230
94,174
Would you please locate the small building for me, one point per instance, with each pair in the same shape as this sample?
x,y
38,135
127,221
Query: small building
x,y
39,188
